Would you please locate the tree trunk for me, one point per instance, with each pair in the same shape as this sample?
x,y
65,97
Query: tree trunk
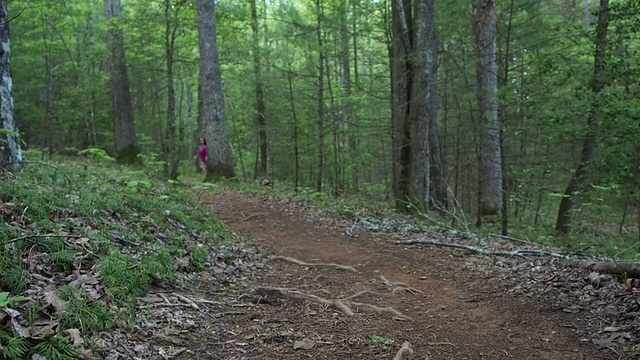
x,y
400,89
598,82
211,100
414,88
260,103
123,122
170,150
490,165
10,151
321,59
294,117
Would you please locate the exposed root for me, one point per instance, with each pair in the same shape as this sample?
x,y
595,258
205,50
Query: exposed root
x,y
405,352
187,301
361,293
299,262
399,287
381,310
344,305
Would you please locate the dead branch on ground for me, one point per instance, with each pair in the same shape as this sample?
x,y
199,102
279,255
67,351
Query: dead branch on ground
x,y
620,268
302,263
521,253
405,352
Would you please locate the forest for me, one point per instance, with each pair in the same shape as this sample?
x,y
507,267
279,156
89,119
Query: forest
x,y
518,117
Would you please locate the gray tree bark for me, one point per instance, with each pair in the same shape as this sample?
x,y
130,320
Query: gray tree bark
x,y
490,166
10,151
211,98
123,121
414,89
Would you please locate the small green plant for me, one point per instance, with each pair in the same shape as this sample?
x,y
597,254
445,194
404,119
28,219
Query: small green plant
x,y
96,153
62,260
377,339
56,347
87,316
13,279
198,257
5,300
12,348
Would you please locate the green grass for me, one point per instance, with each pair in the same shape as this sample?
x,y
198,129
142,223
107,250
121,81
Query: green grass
x,y
125,229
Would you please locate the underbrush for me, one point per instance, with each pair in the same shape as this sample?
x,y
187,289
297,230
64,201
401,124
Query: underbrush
x,y
80,241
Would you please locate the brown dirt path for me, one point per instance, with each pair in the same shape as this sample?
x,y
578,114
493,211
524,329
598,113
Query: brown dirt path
x,y
455,314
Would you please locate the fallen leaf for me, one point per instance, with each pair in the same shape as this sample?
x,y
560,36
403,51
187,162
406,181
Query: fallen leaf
x,y
51,299
611,329
19,329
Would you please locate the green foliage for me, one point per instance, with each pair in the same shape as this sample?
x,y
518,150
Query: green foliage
x,y
6,300
121,283
128,227
56,348
87,316
13,278
13,348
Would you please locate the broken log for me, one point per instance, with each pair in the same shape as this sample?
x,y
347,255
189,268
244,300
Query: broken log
x,y
620,268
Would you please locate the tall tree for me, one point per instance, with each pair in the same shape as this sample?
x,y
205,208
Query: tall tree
x,y
598,82
10,151
169,147
414,99
123,121
261,115
320,122
490,165
212,112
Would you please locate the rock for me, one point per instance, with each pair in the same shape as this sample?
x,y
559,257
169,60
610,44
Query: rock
x,y
304,344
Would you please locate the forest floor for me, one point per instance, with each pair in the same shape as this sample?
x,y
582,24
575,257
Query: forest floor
x,y
309,284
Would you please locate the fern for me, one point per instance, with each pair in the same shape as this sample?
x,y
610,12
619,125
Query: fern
x,y
12,348
56,348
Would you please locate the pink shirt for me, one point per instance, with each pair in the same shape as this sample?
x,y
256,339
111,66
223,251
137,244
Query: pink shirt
x,y
202,152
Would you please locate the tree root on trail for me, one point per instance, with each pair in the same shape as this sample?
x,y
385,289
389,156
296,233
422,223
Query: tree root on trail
x,y
344,305
400,287
521,253
405,352
299,262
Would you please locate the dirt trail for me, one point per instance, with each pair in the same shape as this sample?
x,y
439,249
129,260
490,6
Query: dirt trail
x,y
454,315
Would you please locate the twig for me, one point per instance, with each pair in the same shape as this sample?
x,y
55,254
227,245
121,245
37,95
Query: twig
x,y
38,163
26,237
521,253
299,262
13,18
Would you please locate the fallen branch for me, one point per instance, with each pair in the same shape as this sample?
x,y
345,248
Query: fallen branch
x,y
620,268
302,263
405,352
521,253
